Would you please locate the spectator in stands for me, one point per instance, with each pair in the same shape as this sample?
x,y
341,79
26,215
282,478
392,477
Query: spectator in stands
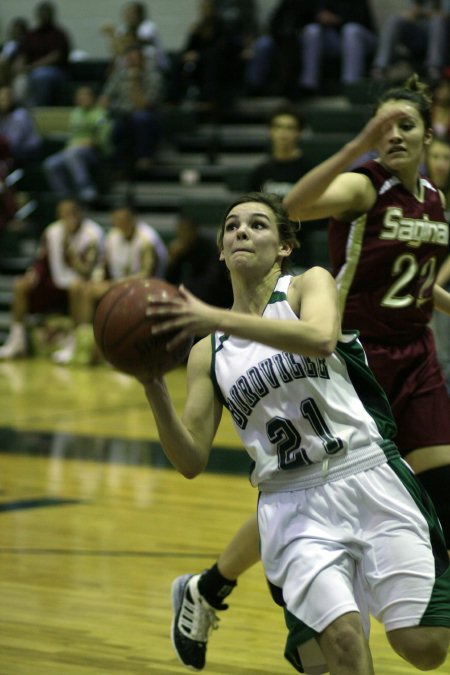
x,y
437,168
132,95
132,249
194,262
203,68
42,60
437,165
70,249
136,29
18,129
16,33
8,201
440,112
340,28
285,164
242,28
71,171
421,28
274,63
302,35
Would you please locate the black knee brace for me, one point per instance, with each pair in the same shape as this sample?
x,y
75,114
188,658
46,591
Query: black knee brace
x,y
437,483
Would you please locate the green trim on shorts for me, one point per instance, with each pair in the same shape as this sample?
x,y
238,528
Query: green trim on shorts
x,y
437,612
299,633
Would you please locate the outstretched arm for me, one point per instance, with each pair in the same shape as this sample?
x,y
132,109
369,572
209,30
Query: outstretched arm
x,y
187,440
313,296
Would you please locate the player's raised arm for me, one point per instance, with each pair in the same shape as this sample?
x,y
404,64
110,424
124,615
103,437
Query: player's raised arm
x,y
327,191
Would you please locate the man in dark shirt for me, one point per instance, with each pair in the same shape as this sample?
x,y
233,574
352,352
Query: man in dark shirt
x,y
284,166
43,57
286,163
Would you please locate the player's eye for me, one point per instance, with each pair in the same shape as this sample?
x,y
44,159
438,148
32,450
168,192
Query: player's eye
x,y
407,126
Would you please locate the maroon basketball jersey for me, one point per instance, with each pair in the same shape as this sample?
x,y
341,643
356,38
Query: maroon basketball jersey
x,y
385,261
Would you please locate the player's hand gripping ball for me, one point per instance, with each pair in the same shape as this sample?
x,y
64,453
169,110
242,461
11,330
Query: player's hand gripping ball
x,y
123,334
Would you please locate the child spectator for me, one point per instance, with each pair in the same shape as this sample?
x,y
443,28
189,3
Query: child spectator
x,y
71,170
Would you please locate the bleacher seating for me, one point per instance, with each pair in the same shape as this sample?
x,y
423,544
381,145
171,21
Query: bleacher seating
x,y
222,150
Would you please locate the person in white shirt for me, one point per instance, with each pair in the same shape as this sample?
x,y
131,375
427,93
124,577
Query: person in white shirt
x,y
70,250
132,249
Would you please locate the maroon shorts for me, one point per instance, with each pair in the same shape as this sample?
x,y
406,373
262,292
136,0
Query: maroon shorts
x,y
46,297
412,379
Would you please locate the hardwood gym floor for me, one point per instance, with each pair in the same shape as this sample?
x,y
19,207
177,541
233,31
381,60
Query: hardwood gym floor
x,y
95,525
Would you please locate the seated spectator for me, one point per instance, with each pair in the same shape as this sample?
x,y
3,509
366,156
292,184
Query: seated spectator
x,y
132,95
136,29
42,60
302,35
18,129
70,249
421,28
16,33
437,168
284,165
274,62
203,68
8,201
241,21
132,249
341,28
194,262
440,112
71,171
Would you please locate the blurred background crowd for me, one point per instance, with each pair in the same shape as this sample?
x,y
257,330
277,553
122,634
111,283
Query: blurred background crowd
x,y
119,164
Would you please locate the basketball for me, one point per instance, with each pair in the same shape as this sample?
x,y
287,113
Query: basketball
x,y
123,331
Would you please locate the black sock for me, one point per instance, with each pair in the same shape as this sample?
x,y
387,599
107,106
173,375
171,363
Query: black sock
x,y
215,587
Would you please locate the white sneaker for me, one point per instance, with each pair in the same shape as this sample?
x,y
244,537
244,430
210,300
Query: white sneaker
x,y
193,621
12,349
64,355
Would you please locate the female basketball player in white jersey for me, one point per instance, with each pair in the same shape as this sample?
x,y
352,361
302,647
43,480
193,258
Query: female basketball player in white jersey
x,y
388,237
345,527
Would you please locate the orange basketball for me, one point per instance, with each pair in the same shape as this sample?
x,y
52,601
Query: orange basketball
x,y
123,331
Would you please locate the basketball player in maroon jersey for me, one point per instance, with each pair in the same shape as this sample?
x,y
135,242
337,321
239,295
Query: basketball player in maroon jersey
x,y
388,236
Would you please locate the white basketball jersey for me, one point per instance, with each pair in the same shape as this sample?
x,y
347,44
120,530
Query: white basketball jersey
x,y
124,255
304,421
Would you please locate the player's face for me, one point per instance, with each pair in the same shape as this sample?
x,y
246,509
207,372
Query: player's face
x,y
402,143
124,221
284,132
251,240
438,163
84,97
70,214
